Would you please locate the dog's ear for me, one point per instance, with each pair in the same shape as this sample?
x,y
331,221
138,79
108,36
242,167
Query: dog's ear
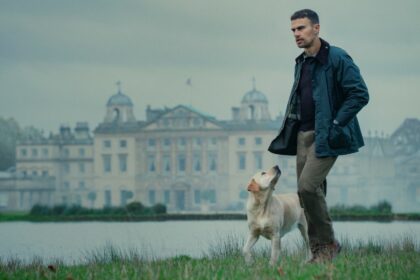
x,y
253,186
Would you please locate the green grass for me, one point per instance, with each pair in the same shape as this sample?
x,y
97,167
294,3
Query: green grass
x,y
372,260
342,216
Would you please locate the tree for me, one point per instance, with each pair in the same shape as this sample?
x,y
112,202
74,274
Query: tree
x,y
31,133
9,134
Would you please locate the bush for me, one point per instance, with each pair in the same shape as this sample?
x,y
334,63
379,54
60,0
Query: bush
x,y
382,207
40,210
135,208
75,210
58,210
159,208
113,210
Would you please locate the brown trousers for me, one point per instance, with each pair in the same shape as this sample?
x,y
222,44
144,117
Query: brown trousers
x,y
311,176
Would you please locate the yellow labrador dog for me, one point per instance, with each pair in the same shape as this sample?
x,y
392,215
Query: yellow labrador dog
x,y
272,215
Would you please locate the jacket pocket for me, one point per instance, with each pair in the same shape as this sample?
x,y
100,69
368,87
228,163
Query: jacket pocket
x,y
339,137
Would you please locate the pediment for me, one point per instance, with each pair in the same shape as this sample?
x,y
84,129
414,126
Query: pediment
x,y
182,118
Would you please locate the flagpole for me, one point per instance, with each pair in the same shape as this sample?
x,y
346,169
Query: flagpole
x,y
189,85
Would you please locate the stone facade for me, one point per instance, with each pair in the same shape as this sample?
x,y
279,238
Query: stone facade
x,y
193,162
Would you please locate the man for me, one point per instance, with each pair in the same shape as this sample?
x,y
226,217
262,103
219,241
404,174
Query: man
x,y
320,124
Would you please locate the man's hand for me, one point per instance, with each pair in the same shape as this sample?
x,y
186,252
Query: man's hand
x,y
339,137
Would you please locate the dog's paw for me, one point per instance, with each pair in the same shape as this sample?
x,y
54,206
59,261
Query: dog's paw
x,y
280,271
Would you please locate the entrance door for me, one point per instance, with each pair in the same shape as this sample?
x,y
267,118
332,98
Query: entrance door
x,y
180,200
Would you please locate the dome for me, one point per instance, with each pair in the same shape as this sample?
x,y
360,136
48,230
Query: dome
x,y
119,99
254,96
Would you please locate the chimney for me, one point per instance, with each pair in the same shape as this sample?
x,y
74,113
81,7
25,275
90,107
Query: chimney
x,y
82,130
235,113
65,131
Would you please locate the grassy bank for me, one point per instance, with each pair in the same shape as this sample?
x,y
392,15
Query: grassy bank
x,y
347,216
375,260
136,211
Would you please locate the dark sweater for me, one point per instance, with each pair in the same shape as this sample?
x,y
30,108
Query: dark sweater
x,y
304,90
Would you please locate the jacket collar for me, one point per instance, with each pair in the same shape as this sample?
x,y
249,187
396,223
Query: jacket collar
x,y
321,56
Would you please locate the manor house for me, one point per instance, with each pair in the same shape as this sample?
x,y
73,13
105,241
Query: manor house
x,y
191,161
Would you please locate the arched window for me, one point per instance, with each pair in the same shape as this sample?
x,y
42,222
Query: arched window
x,y
116,115
251,112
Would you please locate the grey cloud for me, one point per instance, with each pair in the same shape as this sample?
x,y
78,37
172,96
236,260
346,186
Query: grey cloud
x,y
70,53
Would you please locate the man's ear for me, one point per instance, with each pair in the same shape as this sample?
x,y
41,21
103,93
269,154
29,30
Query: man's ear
x,y
317,28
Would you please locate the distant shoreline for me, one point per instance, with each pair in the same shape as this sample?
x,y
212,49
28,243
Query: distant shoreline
x,y
9,217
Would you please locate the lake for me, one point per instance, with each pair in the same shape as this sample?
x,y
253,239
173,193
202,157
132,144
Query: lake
x,y
72,241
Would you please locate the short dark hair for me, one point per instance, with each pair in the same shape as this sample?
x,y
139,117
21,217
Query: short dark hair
x,y
306,13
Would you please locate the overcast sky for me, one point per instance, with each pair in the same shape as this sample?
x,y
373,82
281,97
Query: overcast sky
x,y
60,60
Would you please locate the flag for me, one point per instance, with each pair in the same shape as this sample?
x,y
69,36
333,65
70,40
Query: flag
x,y
188,82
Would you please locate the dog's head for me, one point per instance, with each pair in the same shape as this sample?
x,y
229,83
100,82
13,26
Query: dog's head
x,y
264,180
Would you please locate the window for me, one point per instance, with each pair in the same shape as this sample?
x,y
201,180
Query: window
x,y
66,152
81,184
44,173
107,144
165,122
66,168
78,200
197,162
34,152
21,194
212,162
151,163
197,143
34,173
125,196
258,160
181,163
151,143
258,140
45,152
241,141
81,152
81,167
197,197
108,199
152,197
210,195
241,161
182,142
167,197
166,163
197,122
66,185
166,143
23,152
106,163
123,143
213,141
122,162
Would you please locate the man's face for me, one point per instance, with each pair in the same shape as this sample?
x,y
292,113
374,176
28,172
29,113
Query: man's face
x,y
305,32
